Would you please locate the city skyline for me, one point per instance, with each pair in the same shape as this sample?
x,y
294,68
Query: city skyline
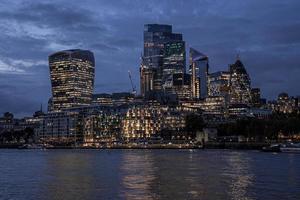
x,y
29,41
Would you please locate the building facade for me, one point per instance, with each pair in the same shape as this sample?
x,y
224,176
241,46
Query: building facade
x,y
164,54
72,78
199,73
240,84
146,121
218,84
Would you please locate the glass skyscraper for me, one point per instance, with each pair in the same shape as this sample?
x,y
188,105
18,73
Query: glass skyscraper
x,y
199,72
174,59
72,78
164,55
240,84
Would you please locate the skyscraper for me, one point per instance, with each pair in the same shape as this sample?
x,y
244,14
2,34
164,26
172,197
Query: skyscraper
x,y
218,83
199,72
164,55
240,84
174,59
72,78
146,78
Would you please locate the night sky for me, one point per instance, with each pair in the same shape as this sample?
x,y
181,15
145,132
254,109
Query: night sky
x,y
265,32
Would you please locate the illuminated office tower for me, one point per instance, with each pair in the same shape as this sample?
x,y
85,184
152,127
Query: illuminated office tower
x,y
218,84
146,79
164,54
72,78
174,59
240,85
199,73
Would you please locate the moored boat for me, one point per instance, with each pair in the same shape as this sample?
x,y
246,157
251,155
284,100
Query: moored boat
x,y
272,148
290,148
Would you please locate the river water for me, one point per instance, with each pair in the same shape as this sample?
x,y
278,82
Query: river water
x,y
148,174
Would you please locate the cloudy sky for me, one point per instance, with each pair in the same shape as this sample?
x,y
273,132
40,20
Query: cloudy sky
x,y
266,33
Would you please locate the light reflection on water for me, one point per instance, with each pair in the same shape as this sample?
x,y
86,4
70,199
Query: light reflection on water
x,y
148,174
239,175
138,175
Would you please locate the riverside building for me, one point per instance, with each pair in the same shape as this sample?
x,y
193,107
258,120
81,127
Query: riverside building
x,y
146,121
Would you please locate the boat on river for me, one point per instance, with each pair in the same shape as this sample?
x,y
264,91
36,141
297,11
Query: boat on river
x,y
272,148
290,148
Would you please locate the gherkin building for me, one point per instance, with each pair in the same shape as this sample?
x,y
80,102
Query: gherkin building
x,y
240,84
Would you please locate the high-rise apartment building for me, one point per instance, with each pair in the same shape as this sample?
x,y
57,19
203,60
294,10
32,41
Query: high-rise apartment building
x,y
199,73
72,78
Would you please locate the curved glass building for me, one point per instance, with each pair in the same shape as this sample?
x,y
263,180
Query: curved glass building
x,y
72,78
240,84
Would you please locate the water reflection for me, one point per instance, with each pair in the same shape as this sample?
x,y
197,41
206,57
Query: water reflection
x,y
69,172
138,175
148,174
171,174
238,173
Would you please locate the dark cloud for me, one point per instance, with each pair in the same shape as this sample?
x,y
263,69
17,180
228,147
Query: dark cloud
x,y
266,33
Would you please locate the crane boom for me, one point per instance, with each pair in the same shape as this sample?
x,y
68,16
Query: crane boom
x,y
132,85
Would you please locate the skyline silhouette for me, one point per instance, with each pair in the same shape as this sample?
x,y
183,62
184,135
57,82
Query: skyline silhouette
x,y
267,41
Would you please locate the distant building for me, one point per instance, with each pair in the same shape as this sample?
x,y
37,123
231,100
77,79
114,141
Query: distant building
x,y
240,84
255,97
179,85
286,104
7,122
114,99
214,105
218,84
199,73
72,78
146,79
11,124
102,99
164,54
260,113
239,111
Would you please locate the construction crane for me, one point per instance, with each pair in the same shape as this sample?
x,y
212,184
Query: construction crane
x,y
132,85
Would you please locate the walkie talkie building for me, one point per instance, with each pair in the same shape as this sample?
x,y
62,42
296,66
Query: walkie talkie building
x,y
72,78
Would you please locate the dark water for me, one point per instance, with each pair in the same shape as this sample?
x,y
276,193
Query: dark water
x,y
148,174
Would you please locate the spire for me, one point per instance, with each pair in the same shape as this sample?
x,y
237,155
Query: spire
x,y
238,56
41,109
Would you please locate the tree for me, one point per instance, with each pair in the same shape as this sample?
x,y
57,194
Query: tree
x,y
194,123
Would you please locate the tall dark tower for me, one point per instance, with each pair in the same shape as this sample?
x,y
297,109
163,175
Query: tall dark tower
x,y
199,73
72,78
164,55
240,84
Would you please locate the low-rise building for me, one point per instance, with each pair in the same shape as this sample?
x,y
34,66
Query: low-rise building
x,y
148,121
